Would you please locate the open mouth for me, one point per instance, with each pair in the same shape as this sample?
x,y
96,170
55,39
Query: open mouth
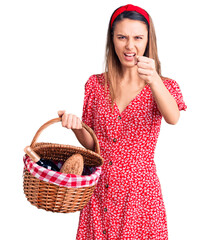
x,y
130,54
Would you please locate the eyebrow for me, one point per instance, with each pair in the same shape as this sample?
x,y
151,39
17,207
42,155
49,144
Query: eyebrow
x,y
119,34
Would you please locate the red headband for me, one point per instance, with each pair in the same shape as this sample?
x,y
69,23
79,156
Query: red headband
x,y
129,7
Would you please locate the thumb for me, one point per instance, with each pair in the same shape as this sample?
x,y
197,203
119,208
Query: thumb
x,y
61,113
136,59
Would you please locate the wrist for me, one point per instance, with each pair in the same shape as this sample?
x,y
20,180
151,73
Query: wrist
x,y
77,130
156,81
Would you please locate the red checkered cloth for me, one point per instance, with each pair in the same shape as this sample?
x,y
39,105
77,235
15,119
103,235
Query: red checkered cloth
x,y
61,179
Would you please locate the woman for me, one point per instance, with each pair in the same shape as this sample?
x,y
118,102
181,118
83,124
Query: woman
x,y
124,106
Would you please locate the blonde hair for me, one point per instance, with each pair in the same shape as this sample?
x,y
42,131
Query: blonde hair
x,y
113,67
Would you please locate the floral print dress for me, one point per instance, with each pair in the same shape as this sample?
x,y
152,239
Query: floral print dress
x,y
127,203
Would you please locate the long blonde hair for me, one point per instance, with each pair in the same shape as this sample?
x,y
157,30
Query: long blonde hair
x,y
113,67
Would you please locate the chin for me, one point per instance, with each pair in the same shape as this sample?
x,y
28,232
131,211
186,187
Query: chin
x,y
128,65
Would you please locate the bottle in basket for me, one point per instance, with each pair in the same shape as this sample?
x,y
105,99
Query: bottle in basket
x,y
40,161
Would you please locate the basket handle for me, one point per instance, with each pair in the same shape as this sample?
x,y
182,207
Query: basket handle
x,y
55,120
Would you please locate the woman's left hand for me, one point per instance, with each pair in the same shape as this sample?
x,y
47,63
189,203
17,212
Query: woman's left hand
x,y
146,69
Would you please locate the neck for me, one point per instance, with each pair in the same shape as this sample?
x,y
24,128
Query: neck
x,y
131,76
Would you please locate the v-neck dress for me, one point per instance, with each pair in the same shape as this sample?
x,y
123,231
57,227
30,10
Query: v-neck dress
x,y
127,203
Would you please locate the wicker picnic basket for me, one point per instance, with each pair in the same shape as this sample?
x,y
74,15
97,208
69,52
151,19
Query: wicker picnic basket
x,y
53,195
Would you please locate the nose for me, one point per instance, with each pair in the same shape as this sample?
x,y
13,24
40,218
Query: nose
x,y
129,44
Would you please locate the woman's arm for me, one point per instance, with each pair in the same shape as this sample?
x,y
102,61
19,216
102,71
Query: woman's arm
x,y
74,123
84,138
165,101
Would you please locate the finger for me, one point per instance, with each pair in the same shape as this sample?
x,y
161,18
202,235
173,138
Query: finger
x,y
76,122
61,112
73,122
69,121
143,71
136,59
64,120
80,123
143,59
143,65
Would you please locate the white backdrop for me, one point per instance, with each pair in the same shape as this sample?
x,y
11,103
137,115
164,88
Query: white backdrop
x,y
48,50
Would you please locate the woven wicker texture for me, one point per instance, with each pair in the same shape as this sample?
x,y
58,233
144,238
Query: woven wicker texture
x,y
48,196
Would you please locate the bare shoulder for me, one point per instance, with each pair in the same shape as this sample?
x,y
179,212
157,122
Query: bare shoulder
x,y
165,78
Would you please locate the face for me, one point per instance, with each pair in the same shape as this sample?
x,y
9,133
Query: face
x,y
130,39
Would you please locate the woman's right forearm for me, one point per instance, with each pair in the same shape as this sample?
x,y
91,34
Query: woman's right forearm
x,y
84,138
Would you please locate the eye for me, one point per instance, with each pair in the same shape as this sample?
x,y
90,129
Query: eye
x,y
138,37
121,37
